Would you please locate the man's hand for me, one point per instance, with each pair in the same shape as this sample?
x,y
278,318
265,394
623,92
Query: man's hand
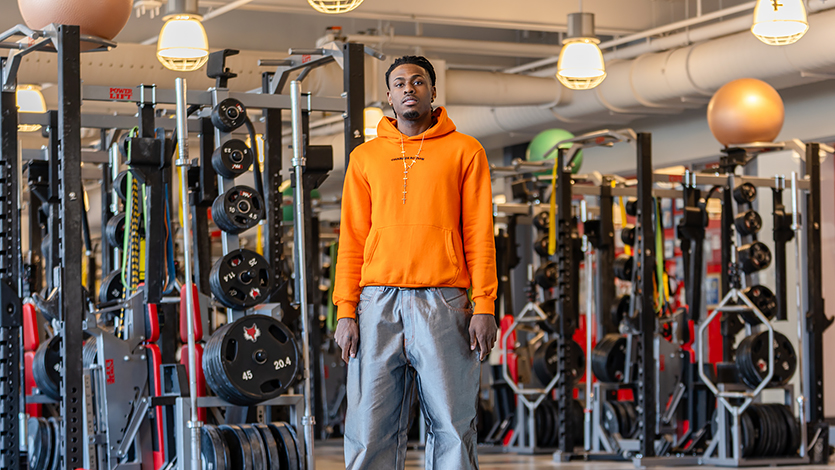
x,y
482,333
347,336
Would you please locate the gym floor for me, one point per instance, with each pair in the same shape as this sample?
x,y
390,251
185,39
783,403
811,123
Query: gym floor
x,y
329,457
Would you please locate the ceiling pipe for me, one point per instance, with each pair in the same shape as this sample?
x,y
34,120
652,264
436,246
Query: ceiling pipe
x,y
685,38
491,48
668,81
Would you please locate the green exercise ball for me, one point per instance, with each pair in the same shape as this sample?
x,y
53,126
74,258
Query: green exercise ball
x,y
546,140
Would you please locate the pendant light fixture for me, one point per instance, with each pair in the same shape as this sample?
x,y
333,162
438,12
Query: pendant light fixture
x,y
333,7
29,100
183,45
779,22
581,66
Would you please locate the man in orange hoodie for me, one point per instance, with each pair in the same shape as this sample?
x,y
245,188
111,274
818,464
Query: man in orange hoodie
x,y
416,233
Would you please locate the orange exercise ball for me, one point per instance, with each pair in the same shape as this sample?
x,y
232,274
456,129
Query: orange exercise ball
x,y
102,18
744,111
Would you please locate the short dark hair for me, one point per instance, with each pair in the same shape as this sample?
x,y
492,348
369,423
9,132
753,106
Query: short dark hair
x,y
420,61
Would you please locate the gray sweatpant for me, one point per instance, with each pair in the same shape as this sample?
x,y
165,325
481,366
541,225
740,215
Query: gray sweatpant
x,y
426,329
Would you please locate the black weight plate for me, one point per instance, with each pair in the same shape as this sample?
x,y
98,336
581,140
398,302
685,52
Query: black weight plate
x,y
211,448
256,443
242,279
540,246
233,158
631,418
792,425
229,115
115,230
55,462
542,221
762,431
627,235
270,446
748,222
240,452
782,434
51,443
46,367
745,192
553,409
238,209
752,359
611,418
111,287
256,356
541,425
287,443
120,185
609,358
576,420
747,433
36,436
620,309
545,361
623,418
776,441
754,257
763,299
547,275
623,267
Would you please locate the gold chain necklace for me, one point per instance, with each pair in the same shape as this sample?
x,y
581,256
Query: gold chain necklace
x,y
414,159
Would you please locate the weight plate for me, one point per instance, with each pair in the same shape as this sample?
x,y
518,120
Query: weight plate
x,y
545,361
241,279
111,288
212,449
748,222
540,246
763,299
546,275
754,257
46,368
542,423
36,437
295,438
120,185
782,437
270,446
229,115
290,459
259,453
745,192
251,360
623,267
55,461
115,230
553,408
763,434
233,158
240,452
575,421
631,423
609,358
793,427
752,359
748,433
238,209
611,418
620,309
542,221
50,442
627,235
631,207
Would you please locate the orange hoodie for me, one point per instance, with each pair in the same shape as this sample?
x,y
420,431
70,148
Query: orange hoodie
x,y
441,237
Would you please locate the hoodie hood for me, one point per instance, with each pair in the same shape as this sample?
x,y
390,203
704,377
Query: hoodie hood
x,y
387,128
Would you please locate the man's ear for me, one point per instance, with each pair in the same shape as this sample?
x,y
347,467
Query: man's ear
x,y
434,93
388,96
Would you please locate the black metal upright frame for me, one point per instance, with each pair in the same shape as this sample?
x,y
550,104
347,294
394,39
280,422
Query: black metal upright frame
x,y
70,308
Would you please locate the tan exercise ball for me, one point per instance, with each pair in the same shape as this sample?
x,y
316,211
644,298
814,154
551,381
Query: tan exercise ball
x,y
102,18
744,111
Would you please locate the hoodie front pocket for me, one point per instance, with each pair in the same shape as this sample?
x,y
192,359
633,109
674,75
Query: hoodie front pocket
x,y
412,255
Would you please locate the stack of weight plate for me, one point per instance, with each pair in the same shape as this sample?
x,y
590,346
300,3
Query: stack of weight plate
x,y
251,360
272,446
767,430
620,417
547,424
43,444
608,358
